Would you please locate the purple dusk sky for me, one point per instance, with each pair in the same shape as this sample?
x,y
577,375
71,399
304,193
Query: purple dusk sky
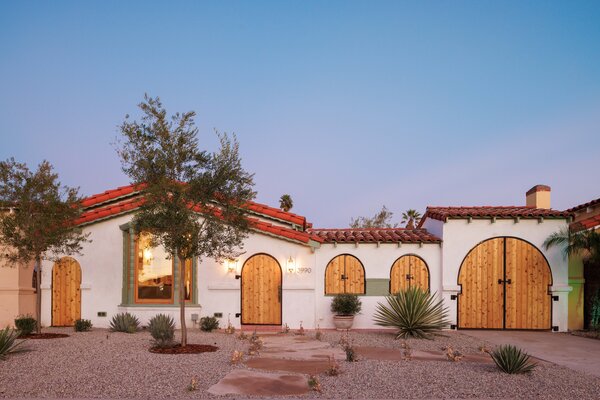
x,y
344,105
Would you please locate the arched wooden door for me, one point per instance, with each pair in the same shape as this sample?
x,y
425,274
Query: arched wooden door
x,y
505,285
345,274
66,292
261,291
409,271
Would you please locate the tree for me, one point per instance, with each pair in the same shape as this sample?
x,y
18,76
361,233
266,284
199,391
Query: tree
x,y
39,220
584,243
286,203
382,219
194,201
411,218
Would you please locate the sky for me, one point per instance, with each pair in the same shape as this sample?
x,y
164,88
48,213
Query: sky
x,y
345,105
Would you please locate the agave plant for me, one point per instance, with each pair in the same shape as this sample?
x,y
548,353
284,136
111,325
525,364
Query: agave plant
x,y
162,329
9,343
124,322
414,312
512,360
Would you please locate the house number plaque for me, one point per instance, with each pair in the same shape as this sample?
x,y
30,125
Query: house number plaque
x,y
304,270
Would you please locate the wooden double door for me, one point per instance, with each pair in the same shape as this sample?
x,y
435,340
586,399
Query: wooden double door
x,y
66,292
409,271
345,274
505,284
261,291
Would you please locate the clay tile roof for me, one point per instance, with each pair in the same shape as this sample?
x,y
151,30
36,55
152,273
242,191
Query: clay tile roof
x,y
588,223
110,195
443,213
374,235
584,205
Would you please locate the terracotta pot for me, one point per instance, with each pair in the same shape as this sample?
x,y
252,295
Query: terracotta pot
x,y
343,322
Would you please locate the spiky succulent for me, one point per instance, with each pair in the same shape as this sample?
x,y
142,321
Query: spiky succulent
x,y
162,329
9,342
124,322
512,360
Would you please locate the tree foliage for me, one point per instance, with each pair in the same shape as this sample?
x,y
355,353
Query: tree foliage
x,y
37,221
182,182
286,203
584,243
382,219
411,218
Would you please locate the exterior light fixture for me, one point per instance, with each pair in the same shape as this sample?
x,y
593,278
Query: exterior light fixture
x,y
231,265
291,265
147,256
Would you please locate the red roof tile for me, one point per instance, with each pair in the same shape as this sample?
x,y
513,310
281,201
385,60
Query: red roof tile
x,y
443,213
374,235
584,205
588,223
110,195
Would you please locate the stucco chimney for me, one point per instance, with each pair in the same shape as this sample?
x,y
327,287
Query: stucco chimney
x,y
538,197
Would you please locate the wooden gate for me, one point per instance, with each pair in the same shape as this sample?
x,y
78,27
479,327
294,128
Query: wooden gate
x,y
505,285
345,274
261,291
409,271
66,292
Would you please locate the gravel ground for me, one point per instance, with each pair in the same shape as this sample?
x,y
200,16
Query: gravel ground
x,y
117,365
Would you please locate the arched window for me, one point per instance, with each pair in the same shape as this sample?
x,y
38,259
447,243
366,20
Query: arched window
x,y
409,271
345,274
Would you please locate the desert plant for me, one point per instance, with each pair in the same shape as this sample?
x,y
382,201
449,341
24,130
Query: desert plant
x,y
25,324
346,304
162,329
208,324
236,357
124,322
193,384
82,325
314,383
595,311
414,312
451,354
512,360
9,343
333,369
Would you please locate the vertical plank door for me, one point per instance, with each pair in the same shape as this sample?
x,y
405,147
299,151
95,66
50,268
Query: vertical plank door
x,y
261,291
66,292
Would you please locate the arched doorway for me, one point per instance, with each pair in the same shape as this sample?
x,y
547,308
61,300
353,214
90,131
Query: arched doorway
x,y
505,284
66,292
261,291
345,274
409,271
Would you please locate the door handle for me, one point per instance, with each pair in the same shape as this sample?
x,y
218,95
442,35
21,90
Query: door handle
x,y
409,277
507,281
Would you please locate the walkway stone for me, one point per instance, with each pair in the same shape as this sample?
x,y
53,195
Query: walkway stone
x,y
295,347
387,354
281,364
253,383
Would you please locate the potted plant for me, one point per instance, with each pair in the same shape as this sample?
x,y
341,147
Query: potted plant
x,y
345,307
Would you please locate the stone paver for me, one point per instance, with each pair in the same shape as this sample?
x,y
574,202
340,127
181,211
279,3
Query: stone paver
x,y
296,347
578,353
253,383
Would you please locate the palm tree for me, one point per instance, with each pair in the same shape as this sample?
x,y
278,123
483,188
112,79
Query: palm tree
x,y
411,218
286,203
584,243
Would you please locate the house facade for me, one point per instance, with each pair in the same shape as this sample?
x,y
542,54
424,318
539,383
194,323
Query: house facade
x,y
487,264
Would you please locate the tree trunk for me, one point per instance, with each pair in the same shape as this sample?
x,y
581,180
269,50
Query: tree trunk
x,y
38,295
182,301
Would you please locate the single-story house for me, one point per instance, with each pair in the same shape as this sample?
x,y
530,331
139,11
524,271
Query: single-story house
x,y
487,263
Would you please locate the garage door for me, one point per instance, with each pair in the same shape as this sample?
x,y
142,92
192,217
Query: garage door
x,y
505,285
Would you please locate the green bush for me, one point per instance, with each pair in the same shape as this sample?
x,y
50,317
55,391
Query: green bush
x,y
124,322
9,343
208,324
414,312
512,360
346,304
82,325
25,324
595,311
162,329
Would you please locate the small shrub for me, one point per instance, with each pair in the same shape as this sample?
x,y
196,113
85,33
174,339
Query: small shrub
x,y
407,351
301,331
25,324
242,336
230,330
193,385
452,355
236,357
414,312
82,325
285,329
208,324
512,360
319,334
314,383
9,343
162,329
124,322
595,311
346,304
333,369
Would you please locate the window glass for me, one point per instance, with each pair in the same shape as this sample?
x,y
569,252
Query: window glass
x,y
154,272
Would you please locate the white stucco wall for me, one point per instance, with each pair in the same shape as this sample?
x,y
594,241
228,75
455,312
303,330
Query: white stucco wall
x,y
460,236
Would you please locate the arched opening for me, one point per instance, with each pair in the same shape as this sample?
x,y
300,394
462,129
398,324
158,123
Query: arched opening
x,y
409,271
345,274
505,284
261,291
66,292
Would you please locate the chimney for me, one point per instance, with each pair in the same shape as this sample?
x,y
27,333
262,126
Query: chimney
x,y
538,197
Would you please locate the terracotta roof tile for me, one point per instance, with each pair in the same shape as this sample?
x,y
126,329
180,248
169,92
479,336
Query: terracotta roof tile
x,y
374,235
588,223
584,205
443,213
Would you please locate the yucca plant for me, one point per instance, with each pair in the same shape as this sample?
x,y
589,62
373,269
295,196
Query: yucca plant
x,y
124,322
512,360
162,329
9,343
414,312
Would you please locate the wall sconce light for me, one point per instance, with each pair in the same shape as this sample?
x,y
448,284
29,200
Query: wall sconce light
x,y
231,265
147,256
291,265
